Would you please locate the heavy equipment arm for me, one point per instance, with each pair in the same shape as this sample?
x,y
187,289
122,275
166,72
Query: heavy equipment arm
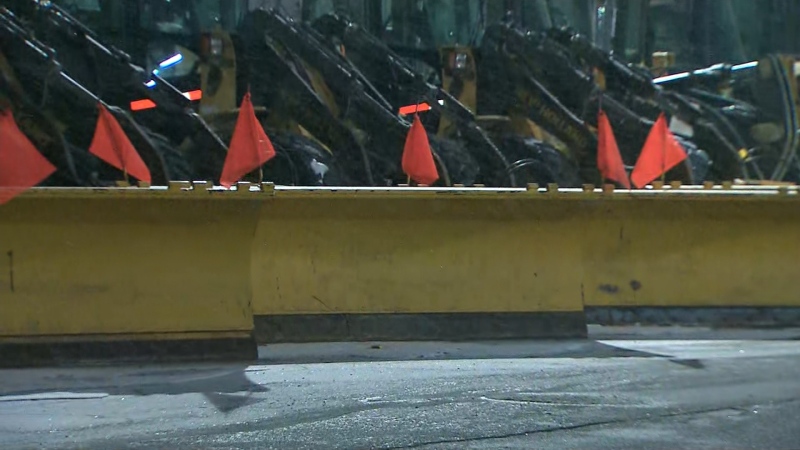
x,y
760,107
630,89
108,72
401,85
39,75
618,75
278,79
118,80
353,100
40,128
744,99
631,100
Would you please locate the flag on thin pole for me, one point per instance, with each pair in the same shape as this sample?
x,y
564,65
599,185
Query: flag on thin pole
x,y
417,160
21,165
250,146
111,144
609,160
661,152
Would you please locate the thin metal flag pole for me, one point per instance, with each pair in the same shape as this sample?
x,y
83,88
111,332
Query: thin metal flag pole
x,y
257,140
416,113
664,152
599,113
116,146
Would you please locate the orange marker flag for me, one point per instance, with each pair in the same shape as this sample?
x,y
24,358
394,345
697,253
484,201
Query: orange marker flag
x,y
661,153
250,146
609,160
418,161
21,165
112,146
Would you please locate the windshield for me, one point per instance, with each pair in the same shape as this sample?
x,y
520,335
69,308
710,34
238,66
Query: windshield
x,y
699,33
577,14
767,26
432,23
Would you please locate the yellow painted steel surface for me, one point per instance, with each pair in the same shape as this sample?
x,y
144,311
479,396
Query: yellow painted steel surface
x,y
668,252
124,262
511,251
127,261
415,253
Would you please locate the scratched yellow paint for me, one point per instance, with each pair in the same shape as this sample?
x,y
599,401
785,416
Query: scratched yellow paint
x,y
416,255
113,262
110,264
681,253
512,253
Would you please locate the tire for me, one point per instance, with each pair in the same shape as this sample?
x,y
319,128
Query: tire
x,y
302,162
536,162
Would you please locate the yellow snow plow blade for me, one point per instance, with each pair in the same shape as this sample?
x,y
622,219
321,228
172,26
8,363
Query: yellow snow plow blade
x,y
151,267
417,265
135,268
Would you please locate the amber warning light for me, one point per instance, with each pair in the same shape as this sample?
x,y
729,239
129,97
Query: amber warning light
x,y
413,109
140,105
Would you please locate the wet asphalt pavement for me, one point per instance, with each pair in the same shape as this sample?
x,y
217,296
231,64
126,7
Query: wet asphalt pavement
x,y
667,389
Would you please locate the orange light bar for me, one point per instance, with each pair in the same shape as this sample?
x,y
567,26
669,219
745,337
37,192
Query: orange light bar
x,y
194,95
411,109
141,105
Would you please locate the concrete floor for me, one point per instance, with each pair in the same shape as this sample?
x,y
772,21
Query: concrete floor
x,y
627,388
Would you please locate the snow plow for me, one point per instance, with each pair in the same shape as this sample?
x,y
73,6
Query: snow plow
x,y
326,233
